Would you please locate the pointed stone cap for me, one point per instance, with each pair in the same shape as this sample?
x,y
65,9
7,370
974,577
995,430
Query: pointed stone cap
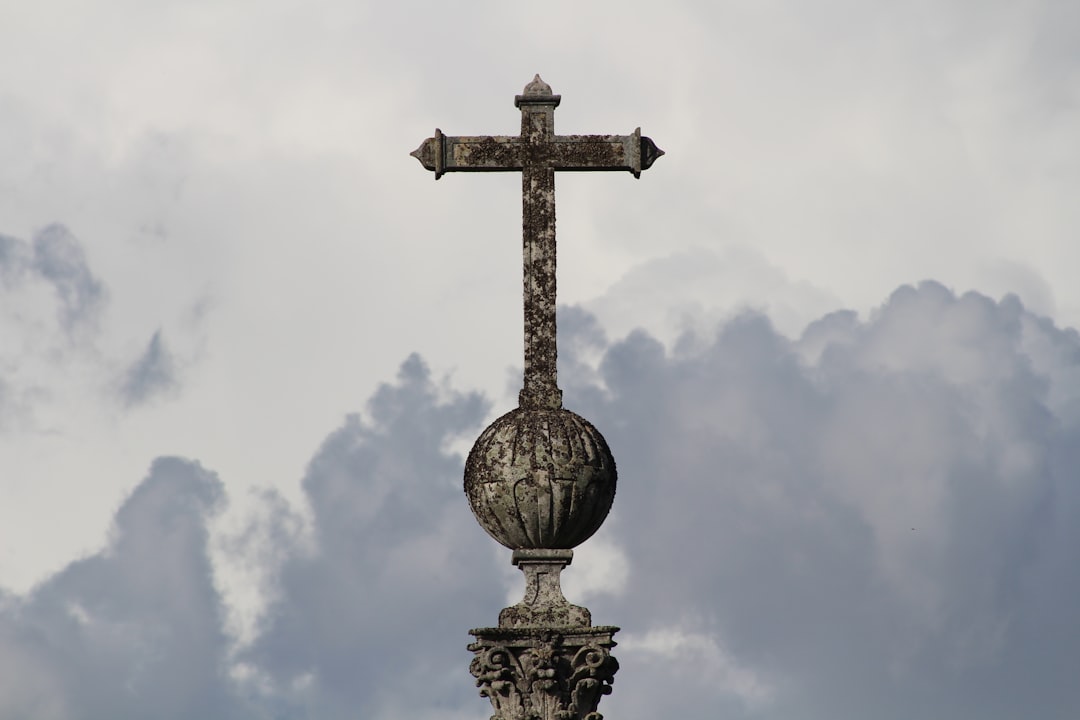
x,y
537,87
537,92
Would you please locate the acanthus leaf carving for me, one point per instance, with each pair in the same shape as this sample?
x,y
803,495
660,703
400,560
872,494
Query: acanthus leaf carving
x,y
538,674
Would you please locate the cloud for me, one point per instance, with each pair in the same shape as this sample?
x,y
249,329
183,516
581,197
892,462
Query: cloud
x,y
877,518
49,273
50,303
699,658
397,554
696,288
152,373
13,260
235,155
58,257
872,519
132,631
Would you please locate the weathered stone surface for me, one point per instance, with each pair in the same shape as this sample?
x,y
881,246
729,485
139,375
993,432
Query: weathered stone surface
x,y
544,604
538,153
544,675
540,478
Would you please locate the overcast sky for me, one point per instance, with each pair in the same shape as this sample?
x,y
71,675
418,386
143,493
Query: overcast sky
x,y
245,340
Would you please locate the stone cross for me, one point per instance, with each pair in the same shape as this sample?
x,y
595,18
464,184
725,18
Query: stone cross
x,y
537,153
541,479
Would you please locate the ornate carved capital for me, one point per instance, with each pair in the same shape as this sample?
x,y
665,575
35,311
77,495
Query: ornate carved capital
x,y
544,674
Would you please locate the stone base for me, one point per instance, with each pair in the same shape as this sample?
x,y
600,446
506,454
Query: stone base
x,y
543,604
544,673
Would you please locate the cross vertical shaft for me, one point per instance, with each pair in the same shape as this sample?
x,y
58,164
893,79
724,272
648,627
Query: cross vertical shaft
x,y
540,387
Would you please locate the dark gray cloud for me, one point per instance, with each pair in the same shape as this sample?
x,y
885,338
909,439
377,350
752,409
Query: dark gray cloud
x,y
152,373
133,631
875,520
397,554
878,519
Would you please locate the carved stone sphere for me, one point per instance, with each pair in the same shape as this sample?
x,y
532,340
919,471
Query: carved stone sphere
x,y
540,478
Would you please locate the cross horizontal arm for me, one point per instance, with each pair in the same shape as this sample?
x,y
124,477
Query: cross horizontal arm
x,y
499,153
448,153
600,152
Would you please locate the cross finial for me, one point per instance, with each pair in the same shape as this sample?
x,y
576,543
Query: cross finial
x,y
538,152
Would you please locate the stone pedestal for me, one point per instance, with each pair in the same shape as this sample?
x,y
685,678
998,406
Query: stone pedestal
x,y
543,604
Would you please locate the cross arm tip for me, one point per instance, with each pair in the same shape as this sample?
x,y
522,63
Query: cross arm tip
x,y
649,153
430,153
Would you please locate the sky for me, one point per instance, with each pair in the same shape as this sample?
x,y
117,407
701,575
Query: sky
x,y
246,341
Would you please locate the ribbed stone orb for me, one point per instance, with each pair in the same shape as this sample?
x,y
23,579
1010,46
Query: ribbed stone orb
x,y
540,478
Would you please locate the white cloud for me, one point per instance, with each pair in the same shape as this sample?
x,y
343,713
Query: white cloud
x,y
699,656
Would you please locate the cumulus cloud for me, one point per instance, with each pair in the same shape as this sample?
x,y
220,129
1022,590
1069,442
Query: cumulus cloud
x,y
872,520
132,631
372,622
877,518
